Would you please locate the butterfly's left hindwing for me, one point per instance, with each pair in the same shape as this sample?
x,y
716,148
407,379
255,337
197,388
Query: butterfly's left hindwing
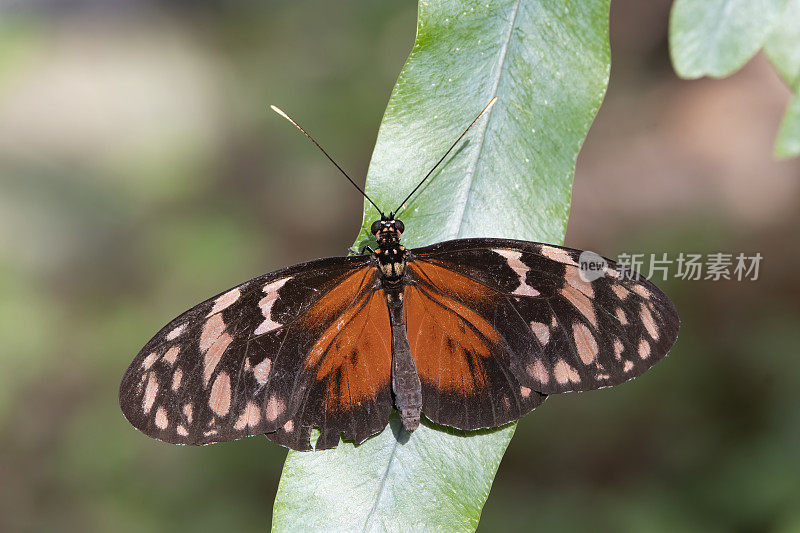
x,y
269,356
516,321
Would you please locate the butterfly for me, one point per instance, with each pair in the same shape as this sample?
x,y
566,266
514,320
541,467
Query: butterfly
x,y
472,333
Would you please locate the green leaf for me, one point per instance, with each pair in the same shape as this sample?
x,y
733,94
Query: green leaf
x,y
716,37
783,45
548,63
394,481
783,50
788,143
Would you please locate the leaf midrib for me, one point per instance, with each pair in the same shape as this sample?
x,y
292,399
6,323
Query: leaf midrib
x,y
379,493
485,127
503,53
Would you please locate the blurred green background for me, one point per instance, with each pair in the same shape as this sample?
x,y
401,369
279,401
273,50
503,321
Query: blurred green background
x,y
140,172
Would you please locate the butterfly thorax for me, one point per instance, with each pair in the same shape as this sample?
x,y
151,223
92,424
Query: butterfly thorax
x,y
390,254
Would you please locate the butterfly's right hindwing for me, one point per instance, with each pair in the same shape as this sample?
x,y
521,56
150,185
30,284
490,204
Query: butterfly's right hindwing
x,y
264,357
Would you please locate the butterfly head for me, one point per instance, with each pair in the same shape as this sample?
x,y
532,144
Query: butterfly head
x,y
387,229
390,255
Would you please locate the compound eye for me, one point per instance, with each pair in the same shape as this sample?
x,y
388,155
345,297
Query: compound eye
x,y
376,226
399,225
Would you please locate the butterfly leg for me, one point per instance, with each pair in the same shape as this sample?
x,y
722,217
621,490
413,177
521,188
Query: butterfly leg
x,y
405,380
353,251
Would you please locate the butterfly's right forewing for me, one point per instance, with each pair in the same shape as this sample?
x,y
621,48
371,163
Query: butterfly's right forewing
x,y
248,360
513,320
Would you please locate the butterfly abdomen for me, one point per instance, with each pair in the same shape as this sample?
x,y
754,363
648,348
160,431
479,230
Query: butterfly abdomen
x,y
406,385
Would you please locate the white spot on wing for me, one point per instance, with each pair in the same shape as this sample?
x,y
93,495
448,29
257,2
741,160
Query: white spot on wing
x,y
573,277
274,409
649,323
161,418
212,329
214,342
644,349
261,371
564,373
149,360
620,291
538,372
150,391
176,379
266,303
225,301
172,355
249,417
580,302
220,399
585,342
514,260
618,347
641,290
542,332
175,333
557,254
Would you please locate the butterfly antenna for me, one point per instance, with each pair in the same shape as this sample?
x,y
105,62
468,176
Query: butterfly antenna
x,y
485,109
296,125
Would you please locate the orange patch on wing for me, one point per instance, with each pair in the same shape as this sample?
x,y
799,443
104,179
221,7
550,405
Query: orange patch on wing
x,y
354,355
448,341
341,299
225,301
452,283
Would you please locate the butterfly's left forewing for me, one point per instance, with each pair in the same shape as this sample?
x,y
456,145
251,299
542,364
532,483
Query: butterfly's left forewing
x,y
550,329
269,356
